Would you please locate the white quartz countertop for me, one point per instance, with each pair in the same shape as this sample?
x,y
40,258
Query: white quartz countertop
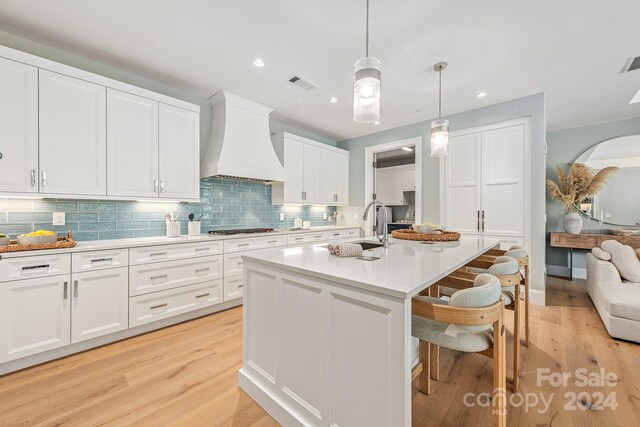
x,y
96,245
404,268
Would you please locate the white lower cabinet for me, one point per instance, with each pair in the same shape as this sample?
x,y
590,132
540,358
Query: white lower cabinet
x,y
160,305
233,287
34,316
99,303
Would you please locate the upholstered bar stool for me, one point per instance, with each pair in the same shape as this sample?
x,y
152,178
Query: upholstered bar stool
x,y
520,254
471,321
507,271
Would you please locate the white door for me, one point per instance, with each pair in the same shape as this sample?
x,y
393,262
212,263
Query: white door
x,y
34,316
179,153
18,127
503,182
341,179
409,178
100,303
294,171
328,193
463,184
383,186
311,173
73,146
396,185
132,145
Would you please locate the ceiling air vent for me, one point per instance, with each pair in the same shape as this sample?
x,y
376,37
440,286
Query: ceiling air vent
x,y
302,83
632,64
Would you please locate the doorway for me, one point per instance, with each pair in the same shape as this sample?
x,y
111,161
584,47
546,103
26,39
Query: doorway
x,y
393,173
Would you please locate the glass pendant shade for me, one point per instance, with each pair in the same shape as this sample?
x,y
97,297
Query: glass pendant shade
x,y
439,138
366,90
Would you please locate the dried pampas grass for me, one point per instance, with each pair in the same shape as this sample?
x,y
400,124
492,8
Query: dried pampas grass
x,y
577,184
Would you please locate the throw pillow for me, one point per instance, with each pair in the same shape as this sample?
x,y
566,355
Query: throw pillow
x,y
638,252
600,254
625,260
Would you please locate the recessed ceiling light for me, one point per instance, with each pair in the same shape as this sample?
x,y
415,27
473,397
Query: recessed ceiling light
x,y
333,100
377,122
481,94
407,148
258,62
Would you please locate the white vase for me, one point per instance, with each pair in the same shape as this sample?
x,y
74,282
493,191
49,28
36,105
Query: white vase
x,y
572,223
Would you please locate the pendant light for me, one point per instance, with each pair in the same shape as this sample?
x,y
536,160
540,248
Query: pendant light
x,y
366,86
440,127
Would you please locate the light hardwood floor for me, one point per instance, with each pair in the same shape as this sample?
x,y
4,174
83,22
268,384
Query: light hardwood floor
x,y
187,375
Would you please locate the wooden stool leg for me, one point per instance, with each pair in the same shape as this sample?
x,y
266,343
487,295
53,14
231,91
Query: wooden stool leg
x,y
516,339
526,305
499,375
424,381
434,291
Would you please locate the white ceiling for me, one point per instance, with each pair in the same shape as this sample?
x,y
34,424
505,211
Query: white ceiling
x,y
573,50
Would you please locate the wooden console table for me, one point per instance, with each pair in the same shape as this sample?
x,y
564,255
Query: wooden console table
x,y
588,242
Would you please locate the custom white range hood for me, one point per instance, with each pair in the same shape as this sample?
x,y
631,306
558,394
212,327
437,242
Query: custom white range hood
x,y
240,146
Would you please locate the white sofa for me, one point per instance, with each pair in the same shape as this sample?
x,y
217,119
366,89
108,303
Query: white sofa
x,y
617,300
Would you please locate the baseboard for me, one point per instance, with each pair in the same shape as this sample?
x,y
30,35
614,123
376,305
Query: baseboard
x,y
536,297
563,271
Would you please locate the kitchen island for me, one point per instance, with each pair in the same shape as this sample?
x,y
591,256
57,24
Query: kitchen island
x,y
327,340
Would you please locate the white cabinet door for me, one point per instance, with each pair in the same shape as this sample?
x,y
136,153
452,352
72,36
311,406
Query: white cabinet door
x,y
328,182
383,186
18,127
396,185
100,301
342,179
463,176
132,145
294,171
73,146
311,173
409,178
34,316
503,181
179,153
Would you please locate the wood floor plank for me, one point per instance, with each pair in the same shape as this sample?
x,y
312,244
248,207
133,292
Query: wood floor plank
x,y
186,375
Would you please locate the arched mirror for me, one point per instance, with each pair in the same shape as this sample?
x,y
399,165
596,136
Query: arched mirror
x,y
619,200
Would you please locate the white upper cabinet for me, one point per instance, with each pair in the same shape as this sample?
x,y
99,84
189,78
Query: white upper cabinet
x,y
315,173
179,153
409,178
132,145
18,127
72,136
68,133
463,204
392,182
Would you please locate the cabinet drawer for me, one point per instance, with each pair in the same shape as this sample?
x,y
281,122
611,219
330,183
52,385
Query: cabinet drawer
x,y
252,243
160,305
90,261
354,233
334,235
233,287
172,274
233,264
306,238
34,266
150,254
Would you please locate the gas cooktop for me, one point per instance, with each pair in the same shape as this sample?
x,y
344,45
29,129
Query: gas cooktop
x,y
242,231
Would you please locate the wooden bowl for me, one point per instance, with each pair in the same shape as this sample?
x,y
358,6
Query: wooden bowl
x,y
4,241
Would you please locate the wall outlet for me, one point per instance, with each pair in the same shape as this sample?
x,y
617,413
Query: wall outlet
x,y
58,218
281,216
355,216
324,215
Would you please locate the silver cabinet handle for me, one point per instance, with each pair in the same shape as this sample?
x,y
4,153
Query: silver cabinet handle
x,y
478,220
271,242
242,245
203,295
157,254
44,178
158,277
153,307
65,291
33,177
482,220
155,186
75,289
161,186
241,286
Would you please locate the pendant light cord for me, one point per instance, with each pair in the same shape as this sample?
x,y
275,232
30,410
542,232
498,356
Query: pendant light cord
x,y
440,94
367,36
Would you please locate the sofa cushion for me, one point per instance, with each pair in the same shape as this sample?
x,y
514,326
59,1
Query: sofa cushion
x,y
620,299
624,258
600,254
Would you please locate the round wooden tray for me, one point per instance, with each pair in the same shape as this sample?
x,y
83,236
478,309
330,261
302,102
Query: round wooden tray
x,y
406,234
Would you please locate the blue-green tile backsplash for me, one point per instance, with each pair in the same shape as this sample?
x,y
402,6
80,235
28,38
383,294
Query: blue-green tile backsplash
x,y
223,204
